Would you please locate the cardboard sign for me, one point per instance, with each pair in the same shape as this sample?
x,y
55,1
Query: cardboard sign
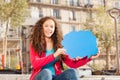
x,y
80,43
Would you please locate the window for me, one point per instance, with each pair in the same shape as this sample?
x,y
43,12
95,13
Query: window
x,y
71,2
102,2
89,15
88,4
117,5
40,12
38,0
73,28
78,3
54,1
8,1
119,19
72,15
56,13
34,12
87,1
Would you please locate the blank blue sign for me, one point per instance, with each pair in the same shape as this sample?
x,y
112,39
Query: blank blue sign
x,y
80,43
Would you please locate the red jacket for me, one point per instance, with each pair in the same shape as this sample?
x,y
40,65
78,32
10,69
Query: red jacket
x,y
39,61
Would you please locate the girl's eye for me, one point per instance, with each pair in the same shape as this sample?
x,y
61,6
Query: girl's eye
x,y
45,26
51,26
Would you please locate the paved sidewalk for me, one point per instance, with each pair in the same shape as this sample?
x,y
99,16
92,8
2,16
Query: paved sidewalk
x,y
14,77
26,77
105,77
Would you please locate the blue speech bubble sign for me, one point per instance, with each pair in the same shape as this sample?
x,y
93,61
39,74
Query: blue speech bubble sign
x,y
80,43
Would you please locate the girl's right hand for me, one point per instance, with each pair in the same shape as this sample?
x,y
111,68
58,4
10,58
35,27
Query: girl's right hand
x,y
59,51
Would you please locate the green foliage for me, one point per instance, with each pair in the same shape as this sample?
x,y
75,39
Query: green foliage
x,y
13,61
65,66
14,11
97,67
102,26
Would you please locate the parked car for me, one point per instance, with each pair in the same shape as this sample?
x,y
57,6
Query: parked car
x,y
84,71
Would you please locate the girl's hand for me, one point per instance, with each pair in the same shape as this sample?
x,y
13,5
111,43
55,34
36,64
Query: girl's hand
x,y
77,58
60,51
96,56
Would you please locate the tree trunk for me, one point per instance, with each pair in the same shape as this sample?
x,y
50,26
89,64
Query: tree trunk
x,y
107,60
5,43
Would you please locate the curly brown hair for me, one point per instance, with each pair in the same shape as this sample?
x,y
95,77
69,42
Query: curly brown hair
x,y
37,37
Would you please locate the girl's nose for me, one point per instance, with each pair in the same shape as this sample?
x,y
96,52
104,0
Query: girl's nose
x,y
50,28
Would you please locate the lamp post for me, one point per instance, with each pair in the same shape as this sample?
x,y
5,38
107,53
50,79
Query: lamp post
x,y
115,13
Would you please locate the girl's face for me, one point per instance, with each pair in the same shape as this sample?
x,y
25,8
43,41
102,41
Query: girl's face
x,y
48,28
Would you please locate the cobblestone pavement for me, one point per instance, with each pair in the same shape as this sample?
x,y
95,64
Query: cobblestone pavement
x,y
26,77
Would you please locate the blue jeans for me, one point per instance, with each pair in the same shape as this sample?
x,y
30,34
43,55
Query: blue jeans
x,y
46,74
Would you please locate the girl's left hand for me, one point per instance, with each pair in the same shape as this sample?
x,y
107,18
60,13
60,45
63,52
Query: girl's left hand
x,y
92,57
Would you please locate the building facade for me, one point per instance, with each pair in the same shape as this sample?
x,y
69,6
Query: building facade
x,y
71,15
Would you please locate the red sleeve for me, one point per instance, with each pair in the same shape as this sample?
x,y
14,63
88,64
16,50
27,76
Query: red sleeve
x,y
38,62
75,64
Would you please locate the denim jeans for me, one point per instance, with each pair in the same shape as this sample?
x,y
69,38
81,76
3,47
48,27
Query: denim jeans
x,y
69,74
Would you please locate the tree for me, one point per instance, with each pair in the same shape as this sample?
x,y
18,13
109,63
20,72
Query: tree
x,y
102,26
12,13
